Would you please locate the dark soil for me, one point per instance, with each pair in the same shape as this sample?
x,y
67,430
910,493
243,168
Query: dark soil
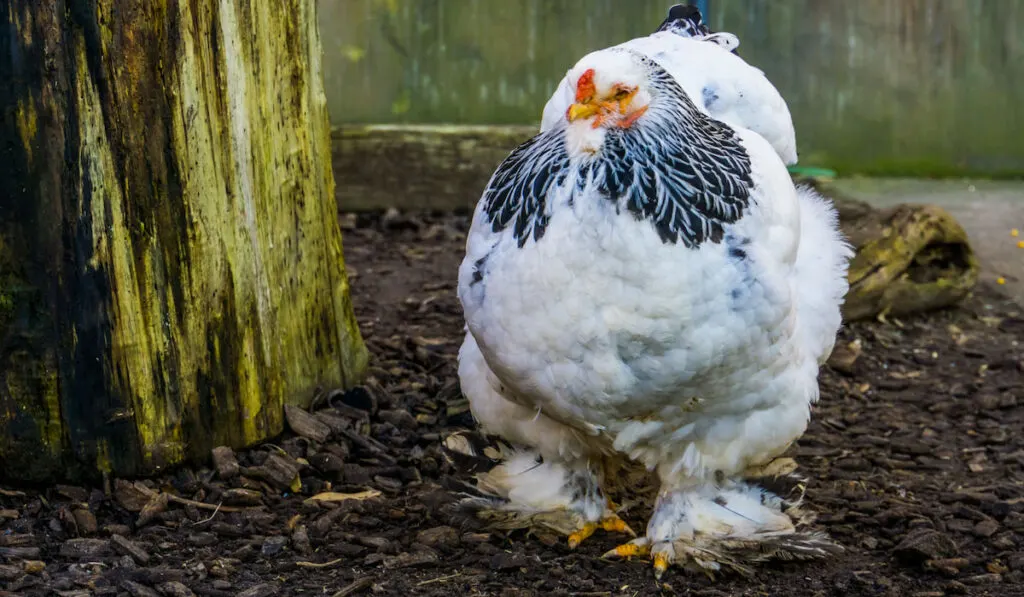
x,y
915,457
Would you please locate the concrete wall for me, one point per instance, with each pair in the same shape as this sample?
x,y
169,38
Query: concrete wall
x,y
875,86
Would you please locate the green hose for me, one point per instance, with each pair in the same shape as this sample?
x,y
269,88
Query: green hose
x,y
811,172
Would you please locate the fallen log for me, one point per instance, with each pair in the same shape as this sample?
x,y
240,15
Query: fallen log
x,y
909,259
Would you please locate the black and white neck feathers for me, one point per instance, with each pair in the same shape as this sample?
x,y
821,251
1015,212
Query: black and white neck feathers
x,y
681,170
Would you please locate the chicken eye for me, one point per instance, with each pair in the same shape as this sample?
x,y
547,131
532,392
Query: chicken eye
x,y
621,94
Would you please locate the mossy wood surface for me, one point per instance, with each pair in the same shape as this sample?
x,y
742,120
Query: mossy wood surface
x,y
171,267
909,259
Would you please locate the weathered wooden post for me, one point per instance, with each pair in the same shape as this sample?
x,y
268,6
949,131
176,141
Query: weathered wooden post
x,y
171,267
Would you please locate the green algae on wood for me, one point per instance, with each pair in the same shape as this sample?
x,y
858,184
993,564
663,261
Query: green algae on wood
x,y
909,259
170,260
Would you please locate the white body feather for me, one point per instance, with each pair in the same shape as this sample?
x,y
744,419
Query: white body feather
x,y
602,338
644,343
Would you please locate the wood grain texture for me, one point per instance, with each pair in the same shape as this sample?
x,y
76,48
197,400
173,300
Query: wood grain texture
x,y
909,259
170,261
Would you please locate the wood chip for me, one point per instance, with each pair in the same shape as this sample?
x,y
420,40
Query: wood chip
x,y
358,586
337,423
225,462
263,590
127,547
409,560
138,589
132,496
154,507
300,540
175,589
370,445
73,493
305,424
445,578
84,548
279,470
86,521
21,553
240,496
156,576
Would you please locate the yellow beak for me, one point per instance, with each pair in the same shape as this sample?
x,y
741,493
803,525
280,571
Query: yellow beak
x,y
578,111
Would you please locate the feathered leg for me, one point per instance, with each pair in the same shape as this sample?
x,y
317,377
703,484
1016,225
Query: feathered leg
x,y
726,524
522,491
551,479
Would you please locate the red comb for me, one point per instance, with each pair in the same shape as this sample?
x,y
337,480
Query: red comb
x,y
585,86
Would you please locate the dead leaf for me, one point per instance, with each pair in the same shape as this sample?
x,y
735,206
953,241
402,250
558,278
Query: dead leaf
x,y
319,564
333,496
908,375
430,342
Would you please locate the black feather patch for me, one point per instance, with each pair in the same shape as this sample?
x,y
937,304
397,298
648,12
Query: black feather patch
x,y
676,167
737,248
517,192
478,270
685,20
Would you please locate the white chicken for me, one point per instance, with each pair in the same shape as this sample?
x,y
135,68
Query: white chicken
x,y
644,284
721,83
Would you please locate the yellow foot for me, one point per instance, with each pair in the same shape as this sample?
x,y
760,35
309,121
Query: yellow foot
x,y
661,563
635,548
611,523
664,556
661,554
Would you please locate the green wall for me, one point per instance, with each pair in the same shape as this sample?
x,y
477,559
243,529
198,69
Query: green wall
x,y
931,87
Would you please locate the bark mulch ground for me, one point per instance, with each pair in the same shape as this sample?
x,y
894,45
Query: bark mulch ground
x,y
915,456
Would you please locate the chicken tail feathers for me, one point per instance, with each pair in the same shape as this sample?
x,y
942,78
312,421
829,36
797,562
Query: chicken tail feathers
x,y
685,20
821,265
